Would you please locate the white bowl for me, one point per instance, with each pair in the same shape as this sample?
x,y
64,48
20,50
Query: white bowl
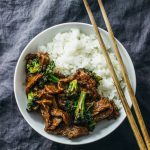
x,y
35,121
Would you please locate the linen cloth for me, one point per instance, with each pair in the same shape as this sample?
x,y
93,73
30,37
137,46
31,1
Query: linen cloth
x,y
21,20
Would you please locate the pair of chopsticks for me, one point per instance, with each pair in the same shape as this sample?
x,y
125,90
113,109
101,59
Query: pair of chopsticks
x,y
130,117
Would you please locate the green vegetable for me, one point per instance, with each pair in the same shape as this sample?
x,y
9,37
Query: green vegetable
x,y
83,115
79,112
42,82
71,106
91,124
31,100
48,75
53,78
33,66
73,87
50,67
49,72
88,120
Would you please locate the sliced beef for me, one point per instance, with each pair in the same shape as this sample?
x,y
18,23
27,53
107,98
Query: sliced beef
x,y
52,89
92,94
42,94
85,79
51,122
61,103
95,94
61,100
58,73
32,81
67,79
43,58
55,123
71,132
45,102
60,113
55,105
104,109
64,81
101,106
45,112
115,113
75,131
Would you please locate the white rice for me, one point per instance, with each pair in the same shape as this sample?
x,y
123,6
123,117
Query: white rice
x,y
73,50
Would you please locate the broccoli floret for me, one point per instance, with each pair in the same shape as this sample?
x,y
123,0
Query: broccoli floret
x,y
73,87
83,115
70,106
88,120
48,75
31,100
33,66
42,82
50,67
79,112
91,124
49,72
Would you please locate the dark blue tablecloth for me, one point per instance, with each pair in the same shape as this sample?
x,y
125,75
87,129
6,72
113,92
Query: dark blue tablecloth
x,y
21,20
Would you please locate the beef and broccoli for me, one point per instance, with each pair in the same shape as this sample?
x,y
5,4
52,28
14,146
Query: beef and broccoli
x,y
69,105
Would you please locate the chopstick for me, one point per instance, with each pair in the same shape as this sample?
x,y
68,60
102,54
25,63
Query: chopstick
x,y
125,76
116,81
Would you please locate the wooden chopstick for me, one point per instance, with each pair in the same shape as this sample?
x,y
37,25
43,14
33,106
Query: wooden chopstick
x,y
125,76
116,81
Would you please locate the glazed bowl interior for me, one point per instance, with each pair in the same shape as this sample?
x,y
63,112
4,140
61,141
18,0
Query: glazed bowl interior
x,y
34,119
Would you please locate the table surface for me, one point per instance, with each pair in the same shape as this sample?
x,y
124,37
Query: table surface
x,y
21,20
